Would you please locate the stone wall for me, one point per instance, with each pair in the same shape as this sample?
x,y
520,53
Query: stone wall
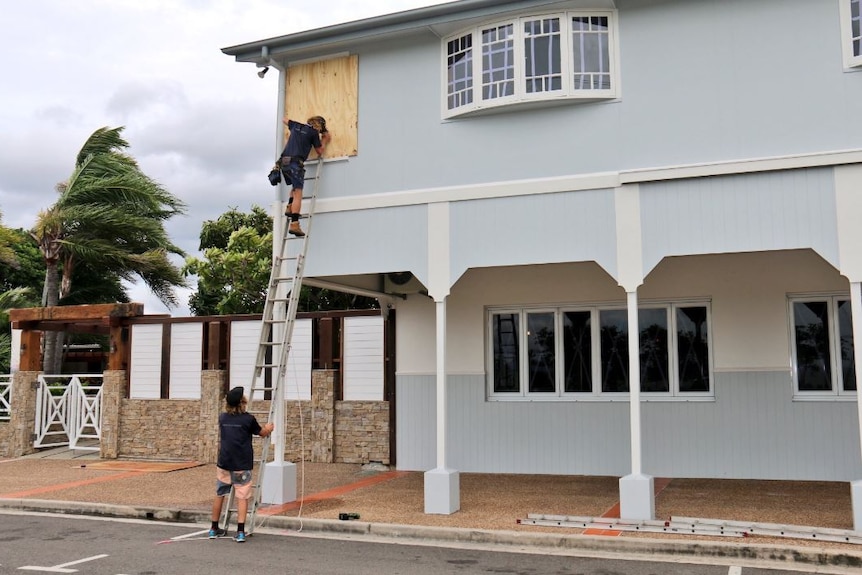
x,y
159,429
5,439
320,430
362,431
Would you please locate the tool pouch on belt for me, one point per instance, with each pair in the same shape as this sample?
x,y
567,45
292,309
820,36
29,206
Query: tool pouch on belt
x,y
275,174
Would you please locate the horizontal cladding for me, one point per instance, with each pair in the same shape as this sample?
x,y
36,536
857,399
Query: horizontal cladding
x,y
547,228
741,213
753,430
357,242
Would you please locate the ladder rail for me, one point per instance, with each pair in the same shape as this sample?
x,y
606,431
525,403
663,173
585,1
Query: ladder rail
x,y
283,290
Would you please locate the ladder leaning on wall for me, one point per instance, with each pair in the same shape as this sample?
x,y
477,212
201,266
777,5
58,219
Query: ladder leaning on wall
x,y
276,331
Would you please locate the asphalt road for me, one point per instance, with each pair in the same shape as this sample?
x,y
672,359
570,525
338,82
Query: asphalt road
x,y
47,543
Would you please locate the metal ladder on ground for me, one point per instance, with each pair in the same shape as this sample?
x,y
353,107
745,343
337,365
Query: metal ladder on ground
x,y
276,331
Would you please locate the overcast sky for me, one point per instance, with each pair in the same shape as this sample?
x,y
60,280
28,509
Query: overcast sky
x,y
198,122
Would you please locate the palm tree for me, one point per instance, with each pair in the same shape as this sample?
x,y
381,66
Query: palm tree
x,y
110,215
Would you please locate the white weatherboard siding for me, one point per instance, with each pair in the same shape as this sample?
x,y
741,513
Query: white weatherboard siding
x,y
245,336
752,212
354,242
145,375
548,228
752,431
363,359
186,358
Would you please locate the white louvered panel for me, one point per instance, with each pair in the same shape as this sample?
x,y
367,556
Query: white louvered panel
x,y
298,372
363,358
186,358
244,337
145,373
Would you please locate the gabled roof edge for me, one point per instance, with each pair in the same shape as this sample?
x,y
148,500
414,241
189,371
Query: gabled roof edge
x,y
404,20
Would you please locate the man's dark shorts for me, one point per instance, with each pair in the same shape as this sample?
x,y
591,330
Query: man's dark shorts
x,y
294,174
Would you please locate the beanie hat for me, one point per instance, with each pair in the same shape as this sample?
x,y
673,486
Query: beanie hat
x,y
234,396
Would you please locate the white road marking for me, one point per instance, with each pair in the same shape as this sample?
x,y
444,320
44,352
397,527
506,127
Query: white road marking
x,y
62,567
187,535
735,571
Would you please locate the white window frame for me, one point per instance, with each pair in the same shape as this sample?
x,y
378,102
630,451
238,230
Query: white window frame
x,y
596,394
837,391
851,60
521,96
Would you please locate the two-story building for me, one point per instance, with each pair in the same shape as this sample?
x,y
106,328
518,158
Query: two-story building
x,y
623,236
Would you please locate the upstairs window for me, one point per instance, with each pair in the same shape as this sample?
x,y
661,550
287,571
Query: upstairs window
x,y
549,57
851,32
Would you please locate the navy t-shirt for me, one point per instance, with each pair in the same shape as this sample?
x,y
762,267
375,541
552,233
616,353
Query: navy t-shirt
x,y
302,138
235,450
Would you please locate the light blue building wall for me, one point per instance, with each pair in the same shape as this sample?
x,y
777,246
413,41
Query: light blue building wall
x,y
732,122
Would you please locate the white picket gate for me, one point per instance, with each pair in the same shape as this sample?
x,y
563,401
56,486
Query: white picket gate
x,y
5,397
68,410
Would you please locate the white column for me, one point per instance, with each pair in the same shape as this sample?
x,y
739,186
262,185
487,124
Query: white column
x,y
442,484
856,311
442,432
637,495
634,382
279,478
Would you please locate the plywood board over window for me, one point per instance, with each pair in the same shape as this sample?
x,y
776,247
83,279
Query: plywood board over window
x,y
326,88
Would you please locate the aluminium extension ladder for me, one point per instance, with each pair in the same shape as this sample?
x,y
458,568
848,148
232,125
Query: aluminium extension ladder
x,y
283,292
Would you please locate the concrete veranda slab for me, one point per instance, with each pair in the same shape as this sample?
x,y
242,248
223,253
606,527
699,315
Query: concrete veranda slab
x,y
491,504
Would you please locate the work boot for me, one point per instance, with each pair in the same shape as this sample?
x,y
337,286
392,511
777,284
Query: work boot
x,y
295,230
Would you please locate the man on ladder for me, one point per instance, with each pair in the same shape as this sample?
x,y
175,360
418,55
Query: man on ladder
x,y
235,460
301,139
283,291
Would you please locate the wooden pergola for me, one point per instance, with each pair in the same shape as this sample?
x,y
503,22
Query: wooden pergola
x,y
106,319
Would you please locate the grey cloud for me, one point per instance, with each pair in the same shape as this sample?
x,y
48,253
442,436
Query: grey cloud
x,y
132,99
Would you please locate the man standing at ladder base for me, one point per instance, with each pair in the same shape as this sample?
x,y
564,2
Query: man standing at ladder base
x,y
301,139
235,460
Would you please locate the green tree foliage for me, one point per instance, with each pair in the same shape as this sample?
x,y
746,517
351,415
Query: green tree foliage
x,y
18,297
110,218
27,268
233,279
235,270
12,293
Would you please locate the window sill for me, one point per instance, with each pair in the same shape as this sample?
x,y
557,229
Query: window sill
x,y
848,397
486,109
599,399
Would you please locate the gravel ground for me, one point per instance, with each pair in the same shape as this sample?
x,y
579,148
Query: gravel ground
x,y
488,501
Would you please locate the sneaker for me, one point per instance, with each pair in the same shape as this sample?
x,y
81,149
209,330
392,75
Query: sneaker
x,y
240,537
295,229
217,533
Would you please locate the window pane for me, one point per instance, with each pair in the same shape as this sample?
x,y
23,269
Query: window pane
x,y
614,339
856,26
845,332
540,352
653,350
692,344
811,329
498,62
506,352
591,53
542,57
577,351
460,72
